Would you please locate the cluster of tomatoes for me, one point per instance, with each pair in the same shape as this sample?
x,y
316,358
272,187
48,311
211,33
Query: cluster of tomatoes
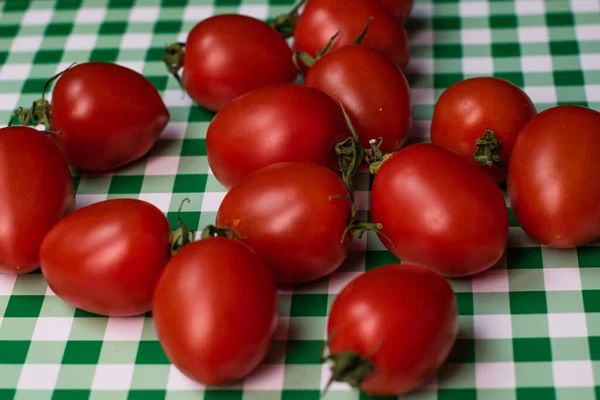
x,y
289,153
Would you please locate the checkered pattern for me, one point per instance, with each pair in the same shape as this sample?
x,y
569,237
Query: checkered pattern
x,y
530,328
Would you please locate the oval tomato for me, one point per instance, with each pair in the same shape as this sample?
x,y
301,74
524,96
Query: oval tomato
x,y
374,92
467,109
106,258
321,19
37,191
227,56
270,125
107,115
553,189
439,211
396,323
289,214
215,310
400,8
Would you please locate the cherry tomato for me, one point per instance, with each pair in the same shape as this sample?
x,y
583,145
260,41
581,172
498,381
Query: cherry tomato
x,y
321,19
37,191
215,310
289,214
467,109
397,323
553,189
373,90
439,211
106,258
274,124
400,8
107,115
227,56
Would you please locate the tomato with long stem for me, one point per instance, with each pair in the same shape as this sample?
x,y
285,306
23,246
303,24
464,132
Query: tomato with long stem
x,y
321,19
297,216
107,115
215,309
373,89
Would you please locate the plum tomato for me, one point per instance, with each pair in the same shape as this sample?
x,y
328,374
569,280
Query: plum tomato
x,y
106,258
395,325
37,191
439,211
322,19
400,8
373,90
479,119
293,215
105,115
552,184
227,56
273,124
215,310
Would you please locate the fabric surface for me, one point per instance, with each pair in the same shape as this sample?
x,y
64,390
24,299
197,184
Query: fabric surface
x,y
530,328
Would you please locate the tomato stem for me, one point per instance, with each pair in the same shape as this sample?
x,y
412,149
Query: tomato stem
x,y
376,157
40,112
349,152
173,59
286,23
362,35
489,149
305,58
350,367
183,235
212,231
355,227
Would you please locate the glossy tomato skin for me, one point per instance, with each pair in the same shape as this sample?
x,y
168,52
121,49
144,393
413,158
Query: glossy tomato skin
x,y
470,107
273,124
215,310
402,317
106,258
321,19
108,115
286,212
400,8
227,56
553,189
439,211
36,192
374,92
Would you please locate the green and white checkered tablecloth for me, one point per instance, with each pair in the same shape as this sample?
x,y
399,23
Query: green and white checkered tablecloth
x,y
530,328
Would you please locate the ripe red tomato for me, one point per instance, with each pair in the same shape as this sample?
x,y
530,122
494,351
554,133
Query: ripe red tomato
x,y
400,8
273,124
553,189
107,115
227,56
215,310
321,19
397,323
439,211
288,214
373,90
106,258
37,191
467,109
